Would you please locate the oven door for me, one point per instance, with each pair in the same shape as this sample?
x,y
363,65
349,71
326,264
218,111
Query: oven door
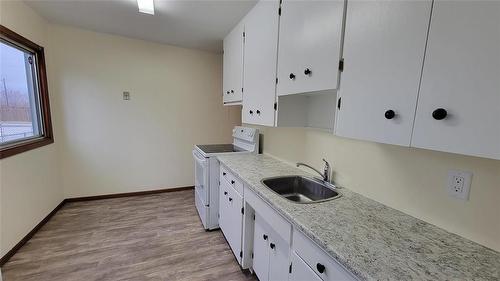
x,y
201,179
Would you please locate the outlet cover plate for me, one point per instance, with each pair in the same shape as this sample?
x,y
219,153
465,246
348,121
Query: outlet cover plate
x,y
459,184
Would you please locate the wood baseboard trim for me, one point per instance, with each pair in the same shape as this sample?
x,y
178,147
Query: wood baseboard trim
x,y
127,194
28,236
25,239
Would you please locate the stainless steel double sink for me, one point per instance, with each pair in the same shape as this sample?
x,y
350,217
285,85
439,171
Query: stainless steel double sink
x,y
302,189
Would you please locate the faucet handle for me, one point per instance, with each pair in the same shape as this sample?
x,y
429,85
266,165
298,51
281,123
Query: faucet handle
x,y
326,171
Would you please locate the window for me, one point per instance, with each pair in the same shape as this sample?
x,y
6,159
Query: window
x,y
24,99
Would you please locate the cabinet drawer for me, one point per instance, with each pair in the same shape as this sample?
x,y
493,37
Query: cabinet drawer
x,y
231,179
301,271
281,226
318,260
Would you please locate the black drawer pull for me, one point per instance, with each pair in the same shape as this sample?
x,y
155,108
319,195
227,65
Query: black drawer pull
x,y
272,246
320,267
389,114
439,114
225,192
232,182
264,236
230,199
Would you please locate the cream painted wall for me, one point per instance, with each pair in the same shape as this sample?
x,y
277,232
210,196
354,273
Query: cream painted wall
x,y
29,182
109,145
407,179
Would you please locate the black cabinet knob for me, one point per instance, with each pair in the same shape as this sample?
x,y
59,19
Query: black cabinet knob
x,y
272,245
292,76
230,199
250,111
264,236
258,111
225,192
232,91
439,114
223,173
307,71
389,114
227,92
320,267
232,182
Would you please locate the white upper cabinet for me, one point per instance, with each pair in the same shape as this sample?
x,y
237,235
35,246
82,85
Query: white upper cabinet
x,y
459,102
383,53
261,43
310,35
232,85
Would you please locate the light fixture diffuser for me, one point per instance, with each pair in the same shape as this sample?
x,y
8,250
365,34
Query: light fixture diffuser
x,y
146,6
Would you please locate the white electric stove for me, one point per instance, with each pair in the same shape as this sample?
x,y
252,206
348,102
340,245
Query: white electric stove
x,y
245,140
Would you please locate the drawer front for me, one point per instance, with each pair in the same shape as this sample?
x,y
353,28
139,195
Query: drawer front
x,y
280,225
226,175
301,271
320,262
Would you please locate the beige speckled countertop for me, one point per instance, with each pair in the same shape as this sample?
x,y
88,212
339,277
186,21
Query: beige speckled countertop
x,y
373,241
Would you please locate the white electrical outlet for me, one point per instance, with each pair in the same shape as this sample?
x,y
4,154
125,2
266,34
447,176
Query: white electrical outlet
x,y
459,184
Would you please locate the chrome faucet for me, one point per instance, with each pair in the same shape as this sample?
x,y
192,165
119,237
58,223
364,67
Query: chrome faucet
x,y
326,170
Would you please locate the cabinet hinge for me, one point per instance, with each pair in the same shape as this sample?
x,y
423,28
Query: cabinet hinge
x,y
279,11
218,215
242,211
253,216
252,255
341,65
276,80
290,268
243,33
339,102
242,89
275,106
241,254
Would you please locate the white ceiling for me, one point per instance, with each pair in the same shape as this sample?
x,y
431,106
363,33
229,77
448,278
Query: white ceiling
x,y
192,24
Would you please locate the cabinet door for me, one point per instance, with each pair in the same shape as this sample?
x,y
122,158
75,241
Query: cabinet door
x,y
279,258
459,103
222,206
309,39
234,222
261,43
384,49
261,248
233,65
301,271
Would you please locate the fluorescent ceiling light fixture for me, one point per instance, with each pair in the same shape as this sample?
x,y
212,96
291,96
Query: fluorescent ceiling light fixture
x,y
146,6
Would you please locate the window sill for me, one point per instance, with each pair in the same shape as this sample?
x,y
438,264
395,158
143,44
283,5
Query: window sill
x,y
24,146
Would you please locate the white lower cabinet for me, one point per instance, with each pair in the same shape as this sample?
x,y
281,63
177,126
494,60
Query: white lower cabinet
x,y
301,271
261,249
270,252
231,217
263,240
279,258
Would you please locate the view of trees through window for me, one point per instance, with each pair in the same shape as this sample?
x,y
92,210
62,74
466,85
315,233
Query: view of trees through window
x,y
19,118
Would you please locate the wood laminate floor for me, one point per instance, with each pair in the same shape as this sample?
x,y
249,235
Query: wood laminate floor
x,y
152,237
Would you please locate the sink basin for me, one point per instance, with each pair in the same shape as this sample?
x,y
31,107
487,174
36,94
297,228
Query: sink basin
x,y
302,189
